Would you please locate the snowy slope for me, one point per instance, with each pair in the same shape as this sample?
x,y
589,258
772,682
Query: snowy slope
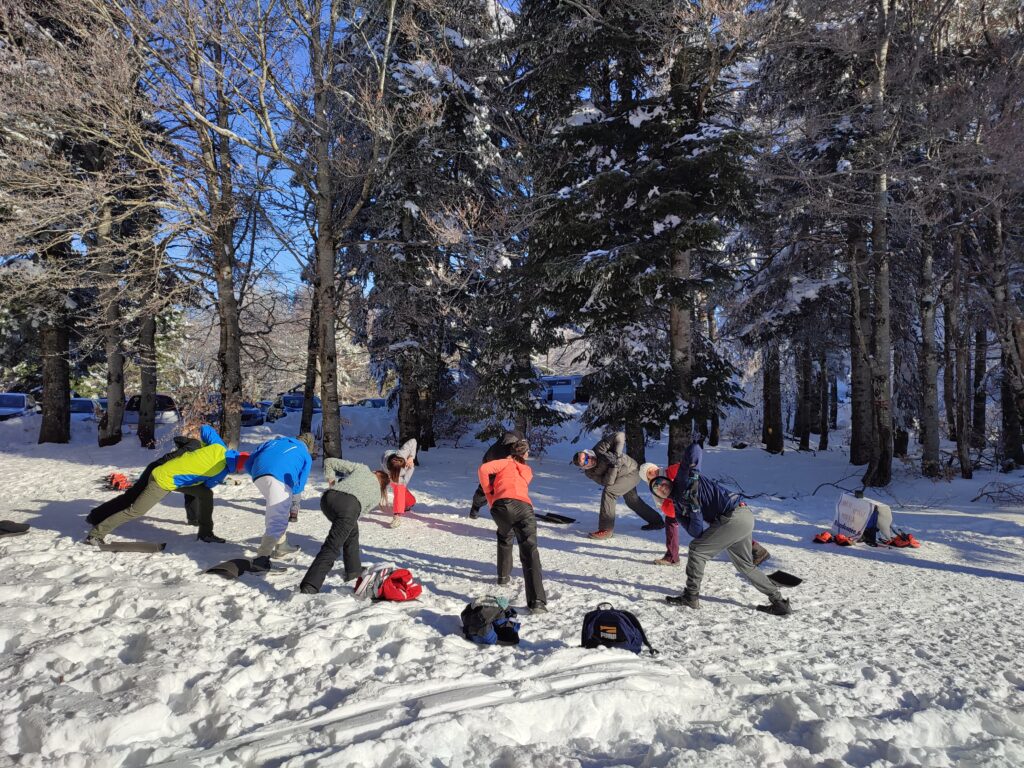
x,y
892,657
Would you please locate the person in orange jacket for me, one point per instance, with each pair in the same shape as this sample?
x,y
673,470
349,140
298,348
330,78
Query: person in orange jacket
x,y
506,483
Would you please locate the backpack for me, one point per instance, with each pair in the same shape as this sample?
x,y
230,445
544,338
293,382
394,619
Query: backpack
x,y
384,582
490,621
613,629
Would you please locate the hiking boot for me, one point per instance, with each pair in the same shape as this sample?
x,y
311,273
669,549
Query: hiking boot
x,y
685,599
759,553
652,527
283,549
93,540
537,608
474,514
665,561
308,589
260,564
779,607
501,581
210,538
600,535
396,520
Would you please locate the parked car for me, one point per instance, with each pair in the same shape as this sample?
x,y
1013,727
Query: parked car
x,y
265,405
252,416
372,402
166,410
563,389
85,409
290,403
15,404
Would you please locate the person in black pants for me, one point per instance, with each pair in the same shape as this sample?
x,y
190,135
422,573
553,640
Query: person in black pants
x,y
198,499
499,450
353,489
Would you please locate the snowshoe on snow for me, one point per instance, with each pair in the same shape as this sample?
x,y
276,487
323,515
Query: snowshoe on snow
x,y
130,546
230,569
551,517
9,528
783,579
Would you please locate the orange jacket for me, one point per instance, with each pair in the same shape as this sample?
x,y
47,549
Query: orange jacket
x,y
505,479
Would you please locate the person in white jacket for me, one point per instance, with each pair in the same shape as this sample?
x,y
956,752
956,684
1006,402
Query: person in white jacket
x,y
400,464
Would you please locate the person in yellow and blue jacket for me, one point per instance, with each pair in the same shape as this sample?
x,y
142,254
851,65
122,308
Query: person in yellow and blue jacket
x,y
195,472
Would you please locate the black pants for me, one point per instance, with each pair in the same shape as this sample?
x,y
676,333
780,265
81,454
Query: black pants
x,y
194,507
342,509
515,520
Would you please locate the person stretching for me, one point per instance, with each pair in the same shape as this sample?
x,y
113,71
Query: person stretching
x,y
352,490
499,450
279,468
505,483
399,464
720,522
194,473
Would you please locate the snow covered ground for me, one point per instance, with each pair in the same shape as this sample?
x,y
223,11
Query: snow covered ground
x,y
892,657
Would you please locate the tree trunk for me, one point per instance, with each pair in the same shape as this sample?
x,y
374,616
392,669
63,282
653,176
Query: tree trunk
x,y
56,399
948,368
110,431
1012,439
636,445
823,410
312,353
408,406
962,364
833,401
680,428
860,372
978,426
805,372
928,366
147,382
775,439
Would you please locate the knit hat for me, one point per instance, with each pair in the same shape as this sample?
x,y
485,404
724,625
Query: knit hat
x,y
645,468
307,440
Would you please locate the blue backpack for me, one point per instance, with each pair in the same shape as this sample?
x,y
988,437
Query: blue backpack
x,y
614,629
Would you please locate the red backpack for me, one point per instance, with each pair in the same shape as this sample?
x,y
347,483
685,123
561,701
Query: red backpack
x,y
399,586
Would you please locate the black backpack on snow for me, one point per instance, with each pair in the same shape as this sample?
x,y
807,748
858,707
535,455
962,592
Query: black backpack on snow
x,y
490,621
614,629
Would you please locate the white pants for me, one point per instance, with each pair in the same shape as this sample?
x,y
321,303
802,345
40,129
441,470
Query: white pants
x,y
279,501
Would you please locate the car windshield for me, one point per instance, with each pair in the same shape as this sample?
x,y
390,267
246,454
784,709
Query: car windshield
x,y
12,401
81,406
292,402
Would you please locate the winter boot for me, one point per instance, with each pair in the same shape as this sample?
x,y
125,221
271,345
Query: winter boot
x,y
210,538
777,607
260,564
759,553
474,514
93,540
685,599
538,608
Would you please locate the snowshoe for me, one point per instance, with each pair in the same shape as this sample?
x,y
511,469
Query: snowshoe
x,y
9,528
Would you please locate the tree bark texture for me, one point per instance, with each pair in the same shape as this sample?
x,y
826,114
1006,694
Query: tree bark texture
x,y
680,428
56,398
980,397
312,355
928,365
774,436
823,400
147,382
860,372
110,429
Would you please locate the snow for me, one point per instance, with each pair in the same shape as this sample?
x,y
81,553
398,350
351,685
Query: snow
x,y
669,222
892,657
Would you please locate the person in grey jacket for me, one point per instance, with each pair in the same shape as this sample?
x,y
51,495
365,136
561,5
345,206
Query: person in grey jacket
x,y
609,466
352,489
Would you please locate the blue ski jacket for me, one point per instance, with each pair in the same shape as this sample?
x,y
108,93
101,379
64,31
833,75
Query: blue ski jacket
x,y
283,458
714,502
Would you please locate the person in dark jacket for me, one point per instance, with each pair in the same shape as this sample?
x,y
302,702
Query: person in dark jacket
x,y
194,506
499,450
609,466
718,521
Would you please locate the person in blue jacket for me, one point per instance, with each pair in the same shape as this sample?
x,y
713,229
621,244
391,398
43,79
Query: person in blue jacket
x,y
718,521
280,469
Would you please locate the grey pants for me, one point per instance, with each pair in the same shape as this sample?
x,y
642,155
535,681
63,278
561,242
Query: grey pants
x,y
733,535
626,488
152,495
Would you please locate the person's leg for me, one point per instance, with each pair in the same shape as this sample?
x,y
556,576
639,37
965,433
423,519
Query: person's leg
x,y
646,511
278,501
479,502
741,527
606,519
122,501
525,527
503,519
332,504
720,536
672,539
151,496
200,499
350,554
